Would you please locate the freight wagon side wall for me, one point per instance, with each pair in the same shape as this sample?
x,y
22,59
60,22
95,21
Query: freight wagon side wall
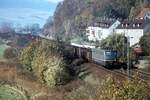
x,y
98,56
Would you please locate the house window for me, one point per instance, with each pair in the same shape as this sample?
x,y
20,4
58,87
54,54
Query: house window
x,y
96,24
93,33
87,31
124,25
107,25
127,25
99,33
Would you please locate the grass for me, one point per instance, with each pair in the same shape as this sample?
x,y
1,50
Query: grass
x,y
11,93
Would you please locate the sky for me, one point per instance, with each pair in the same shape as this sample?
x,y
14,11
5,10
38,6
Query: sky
x,y
27,11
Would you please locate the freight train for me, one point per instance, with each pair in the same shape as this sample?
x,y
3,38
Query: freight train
x,y
105,57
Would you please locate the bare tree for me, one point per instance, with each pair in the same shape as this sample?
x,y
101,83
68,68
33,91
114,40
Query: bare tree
x,y
6,27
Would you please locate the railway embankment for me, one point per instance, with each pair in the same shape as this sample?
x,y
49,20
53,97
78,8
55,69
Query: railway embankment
x,y
98,72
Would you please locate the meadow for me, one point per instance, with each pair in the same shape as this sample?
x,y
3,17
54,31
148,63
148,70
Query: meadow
x,y
7,92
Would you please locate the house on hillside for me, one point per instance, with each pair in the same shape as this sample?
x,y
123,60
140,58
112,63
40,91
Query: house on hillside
x,y
134,29
144,14
130,28
101,29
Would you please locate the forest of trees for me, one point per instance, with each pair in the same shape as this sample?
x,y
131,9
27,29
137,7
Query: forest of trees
x,y
7,27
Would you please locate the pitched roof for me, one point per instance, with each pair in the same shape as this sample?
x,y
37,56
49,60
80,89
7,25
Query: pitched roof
x,y
143,13
103,22
133,24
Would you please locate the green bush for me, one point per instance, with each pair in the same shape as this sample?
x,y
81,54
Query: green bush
x,y
147,65
8,92
22,42
145,44
10,53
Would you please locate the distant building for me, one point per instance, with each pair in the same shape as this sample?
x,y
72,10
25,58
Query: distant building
x,y
144,14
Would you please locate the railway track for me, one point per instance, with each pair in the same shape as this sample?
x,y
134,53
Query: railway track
x,y
135,73
143,75
123,74
116,74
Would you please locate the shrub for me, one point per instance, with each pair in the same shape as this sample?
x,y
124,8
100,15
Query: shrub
x,y
129,90
22,41
27,55
38,65
147,65
10,53
112,90
145,44
55,72
46,61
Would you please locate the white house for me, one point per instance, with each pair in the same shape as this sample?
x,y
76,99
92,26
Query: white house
x,y
134,29
96,33
101,29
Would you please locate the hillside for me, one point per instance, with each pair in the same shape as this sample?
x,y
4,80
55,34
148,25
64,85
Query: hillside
x,y
72,16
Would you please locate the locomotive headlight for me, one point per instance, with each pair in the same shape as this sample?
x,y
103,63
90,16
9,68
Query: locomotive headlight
x,y
108,53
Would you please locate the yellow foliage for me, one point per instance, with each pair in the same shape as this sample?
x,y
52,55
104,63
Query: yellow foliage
x,y
44,59
112,90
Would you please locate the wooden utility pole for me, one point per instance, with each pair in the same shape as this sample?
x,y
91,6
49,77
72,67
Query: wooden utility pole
x,y
128,57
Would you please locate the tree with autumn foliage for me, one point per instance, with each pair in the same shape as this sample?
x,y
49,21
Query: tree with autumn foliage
x,y
145,44
27,55
46,61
